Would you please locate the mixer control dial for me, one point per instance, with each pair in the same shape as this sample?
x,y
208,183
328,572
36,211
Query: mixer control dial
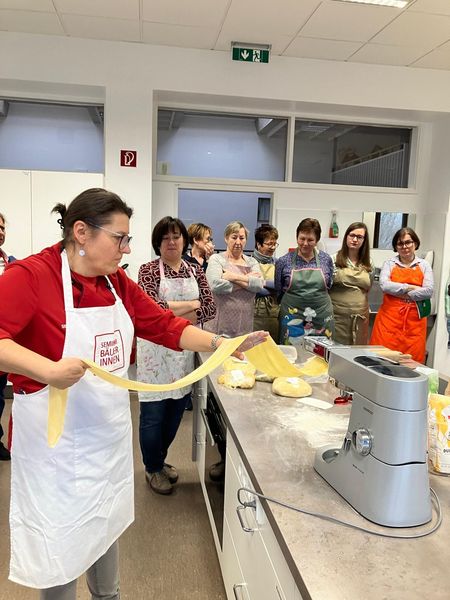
x,y
362,441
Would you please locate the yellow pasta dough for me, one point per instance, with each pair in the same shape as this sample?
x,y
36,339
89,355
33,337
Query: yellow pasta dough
x,y
265,357
314,367
236,379
291,387
234,364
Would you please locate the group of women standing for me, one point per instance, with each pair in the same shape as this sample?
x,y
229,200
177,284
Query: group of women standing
x,y
79,301
308,292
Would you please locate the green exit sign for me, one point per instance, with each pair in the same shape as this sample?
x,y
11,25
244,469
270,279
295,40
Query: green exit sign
x,y
255,55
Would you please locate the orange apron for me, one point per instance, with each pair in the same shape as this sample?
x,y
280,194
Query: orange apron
x,y
398,325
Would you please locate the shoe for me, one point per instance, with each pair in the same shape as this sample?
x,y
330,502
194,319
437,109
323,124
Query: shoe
x,y
4,453
217,471
159,482
171,472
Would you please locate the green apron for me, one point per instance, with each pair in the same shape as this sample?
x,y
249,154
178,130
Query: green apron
x,y
307,300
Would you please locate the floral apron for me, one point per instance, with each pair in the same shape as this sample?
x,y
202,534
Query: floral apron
x,y
306,302
157,364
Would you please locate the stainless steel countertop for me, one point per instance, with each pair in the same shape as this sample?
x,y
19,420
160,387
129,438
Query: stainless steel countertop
x,y
277,438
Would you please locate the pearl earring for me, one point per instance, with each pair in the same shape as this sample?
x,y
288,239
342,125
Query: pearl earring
x,y
81,252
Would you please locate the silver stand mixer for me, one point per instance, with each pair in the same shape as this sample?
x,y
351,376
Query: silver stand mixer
x,y
381,468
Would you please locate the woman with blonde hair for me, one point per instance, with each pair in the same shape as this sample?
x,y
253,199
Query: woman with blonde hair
x,y
352,280
201,243
234,279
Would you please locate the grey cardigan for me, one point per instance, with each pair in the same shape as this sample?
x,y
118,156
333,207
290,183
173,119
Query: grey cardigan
x,y
217,265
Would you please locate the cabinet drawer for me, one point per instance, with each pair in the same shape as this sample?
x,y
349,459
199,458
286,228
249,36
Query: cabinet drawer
x,y
233,579
276,556
260,577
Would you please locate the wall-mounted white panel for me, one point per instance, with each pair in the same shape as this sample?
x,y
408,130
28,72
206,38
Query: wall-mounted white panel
x,y
287,220
49,188
15,204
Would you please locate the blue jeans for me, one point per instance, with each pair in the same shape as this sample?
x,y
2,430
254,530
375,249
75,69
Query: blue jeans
x,y
158,426
3,382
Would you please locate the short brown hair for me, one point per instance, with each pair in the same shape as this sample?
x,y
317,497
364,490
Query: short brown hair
x,y
197,231
401,233
264,232
308,226
163,227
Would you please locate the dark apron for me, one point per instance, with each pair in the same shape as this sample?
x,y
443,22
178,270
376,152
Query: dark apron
x,y
306,301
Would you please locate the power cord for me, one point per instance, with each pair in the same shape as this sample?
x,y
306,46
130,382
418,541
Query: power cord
x,y
437,506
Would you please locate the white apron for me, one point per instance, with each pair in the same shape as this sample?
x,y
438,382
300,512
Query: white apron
x,y
71,502
157,364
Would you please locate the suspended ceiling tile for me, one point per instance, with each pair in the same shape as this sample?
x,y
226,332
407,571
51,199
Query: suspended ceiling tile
x,y
30,22
121,30
281,17
387,55
437,7
431,30
350,22
434,60
279,43
303,47
196,13
117,9
177,35
35,5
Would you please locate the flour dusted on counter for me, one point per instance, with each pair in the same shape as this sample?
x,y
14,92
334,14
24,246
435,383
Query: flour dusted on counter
x,y
317,426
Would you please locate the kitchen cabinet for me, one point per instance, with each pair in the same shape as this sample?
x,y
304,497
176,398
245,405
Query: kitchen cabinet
x,y
263,567
271,445
27,200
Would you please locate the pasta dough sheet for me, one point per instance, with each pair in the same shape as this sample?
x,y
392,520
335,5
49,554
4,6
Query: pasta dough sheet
x,y
265,357
314,367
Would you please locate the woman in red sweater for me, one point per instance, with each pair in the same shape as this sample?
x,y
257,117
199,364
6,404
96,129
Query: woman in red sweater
x,y
70,503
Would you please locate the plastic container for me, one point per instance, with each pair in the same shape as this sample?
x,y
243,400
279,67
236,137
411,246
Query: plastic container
x,y
290,353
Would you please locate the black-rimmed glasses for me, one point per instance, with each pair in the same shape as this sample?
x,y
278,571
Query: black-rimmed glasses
x,y
124,239
355,236
405,244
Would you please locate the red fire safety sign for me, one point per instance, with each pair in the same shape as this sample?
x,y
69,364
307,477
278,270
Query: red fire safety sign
x,y
128,158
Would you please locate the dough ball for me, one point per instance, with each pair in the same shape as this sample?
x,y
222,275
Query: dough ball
x,y
236,379
291,387
234,364
264,377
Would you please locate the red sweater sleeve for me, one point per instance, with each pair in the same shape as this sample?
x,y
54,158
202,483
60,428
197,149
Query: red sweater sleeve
x,y
32,308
